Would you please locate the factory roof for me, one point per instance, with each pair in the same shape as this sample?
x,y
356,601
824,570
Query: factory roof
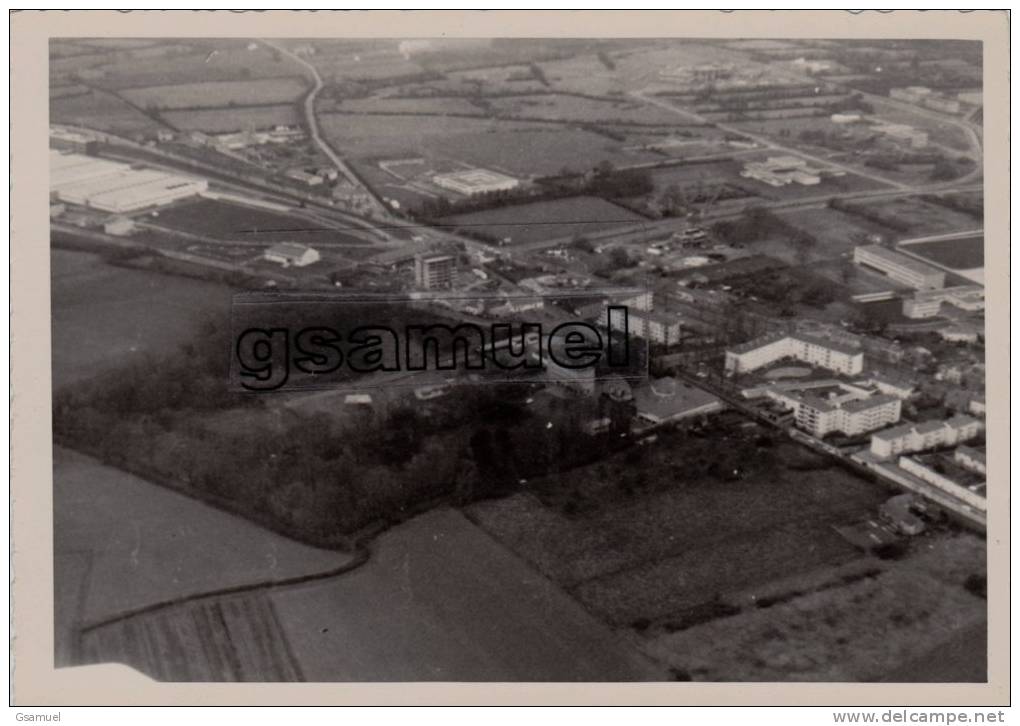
x,y
898,258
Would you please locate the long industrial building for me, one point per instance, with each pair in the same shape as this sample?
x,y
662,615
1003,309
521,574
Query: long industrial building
x,y
821,352
899,267
114,187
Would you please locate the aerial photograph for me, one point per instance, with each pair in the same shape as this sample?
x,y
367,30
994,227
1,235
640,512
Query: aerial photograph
x,y
513,359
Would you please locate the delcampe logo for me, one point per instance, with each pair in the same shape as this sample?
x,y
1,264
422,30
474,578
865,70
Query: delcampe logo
x,y
298,341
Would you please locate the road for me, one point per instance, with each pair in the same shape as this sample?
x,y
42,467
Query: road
x,y
313,124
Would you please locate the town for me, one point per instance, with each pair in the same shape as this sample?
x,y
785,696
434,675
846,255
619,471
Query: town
x,y
764,258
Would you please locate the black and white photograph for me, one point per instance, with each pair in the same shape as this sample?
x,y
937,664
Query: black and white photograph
x,y
489,359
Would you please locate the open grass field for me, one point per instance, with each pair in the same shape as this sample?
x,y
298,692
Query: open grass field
x,y
122,543
226,120
538,151
565,107
520,149
888,626
440,106
675,548
219,93
103,316
440,600
234,222
102,111
922,218
961,253
540,221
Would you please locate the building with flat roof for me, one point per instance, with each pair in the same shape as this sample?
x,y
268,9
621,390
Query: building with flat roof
x,y
911,437
434,272
114,187
900,267
475,181
291,254
928,303
778,171
848,410
817,351
663,400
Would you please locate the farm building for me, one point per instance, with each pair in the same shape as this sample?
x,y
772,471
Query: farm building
x,y
291,254
475,181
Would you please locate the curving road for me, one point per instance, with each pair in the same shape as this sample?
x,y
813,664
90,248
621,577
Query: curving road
x,y
313,122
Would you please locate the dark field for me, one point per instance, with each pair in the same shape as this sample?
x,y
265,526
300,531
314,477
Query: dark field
x,y
106,316
541,221
235,223
664,553
962,253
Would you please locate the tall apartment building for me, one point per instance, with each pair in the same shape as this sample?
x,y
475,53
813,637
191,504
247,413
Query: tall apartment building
x,y
434,272
900,267
909,438
822,352
658,327
849,411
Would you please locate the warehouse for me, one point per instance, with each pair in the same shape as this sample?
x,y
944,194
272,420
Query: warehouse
x,y
899,267
475,181
114,187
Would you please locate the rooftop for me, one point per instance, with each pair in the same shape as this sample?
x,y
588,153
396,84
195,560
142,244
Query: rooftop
x,y
898,258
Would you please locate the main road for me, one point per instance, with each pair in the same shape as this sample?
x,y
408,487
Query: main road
x,y
313,124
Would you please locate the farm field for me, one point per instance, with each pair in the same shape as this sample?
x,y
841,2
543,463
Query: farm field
x,y
538,151
540,221
517,148
441,600
962,253
438,106
104,315
234,222
369,135
126,543
887,626
102,111
921,217
665,552
219,93
227,120
562,107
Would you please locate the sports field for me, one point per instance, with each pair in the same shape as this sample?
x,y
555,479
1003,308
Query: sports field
x,y
541,221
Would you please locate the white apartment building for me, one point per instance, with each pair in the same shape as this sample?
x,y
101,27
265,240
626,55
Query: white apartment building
x,y
910,438
822,352
658,327
851,411
900,267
